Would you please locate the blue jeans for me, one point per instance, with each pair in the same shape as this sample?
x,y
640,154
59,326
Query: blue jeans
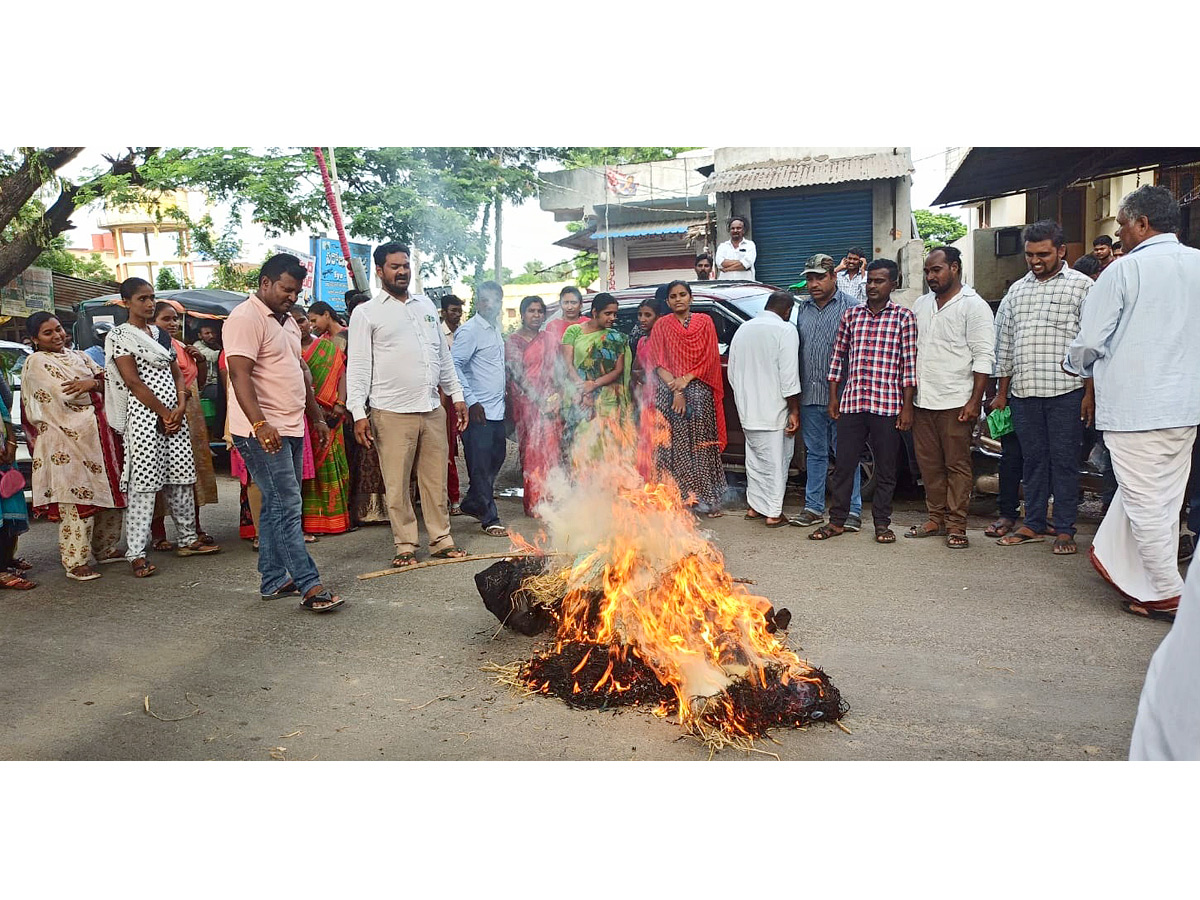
x,y
484,448
820,439
1193,519
1012,465
282,556
1051,434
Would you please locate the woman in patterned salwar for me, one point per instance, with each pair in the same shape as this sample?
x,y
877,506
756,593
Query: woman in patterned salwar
x,y
689,391
77,459
326,496
598,363
194,368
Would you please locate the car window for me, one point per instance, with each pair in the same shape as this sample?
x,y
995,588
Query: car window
x,y
627,317
722,321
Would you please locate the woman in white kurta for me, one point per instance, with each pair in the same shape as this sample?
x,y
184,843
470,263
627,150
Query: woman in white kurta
x,y
158,447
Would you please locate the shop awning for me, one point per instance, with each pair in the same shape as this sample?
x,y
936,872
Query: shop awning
x,y
989,172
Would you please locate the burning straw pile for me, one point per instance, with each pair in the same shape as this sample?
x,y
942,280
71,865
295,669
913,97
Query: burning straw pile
x,y
646,615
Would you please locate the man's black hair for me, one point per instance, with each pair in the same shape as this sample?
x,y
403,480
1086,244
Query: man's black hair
x,y
953,255
704,255
779,301
1101,239
383,251
450,300
856,251
1044,230
889,264
1087,264
282,264
739,218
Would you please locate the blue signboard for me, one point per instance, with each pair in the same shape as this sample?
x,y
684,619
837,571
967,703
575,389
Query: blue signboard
x,y
330,279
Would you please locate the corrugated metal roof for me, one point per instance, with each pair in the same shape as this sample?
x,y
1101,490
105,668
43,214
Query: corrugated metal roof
x,y
643,229
69,292
772,175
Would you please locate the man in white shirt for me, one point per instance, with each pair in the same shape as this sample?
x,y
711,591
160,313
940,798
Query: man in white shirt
x,y
398,360
735,257
1138,336
764,372
852,274
478,354
955,356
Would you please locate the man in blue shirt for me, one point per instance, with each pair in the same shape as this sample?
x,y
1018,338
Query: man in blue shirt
x,y
1138,335
818,319
478,353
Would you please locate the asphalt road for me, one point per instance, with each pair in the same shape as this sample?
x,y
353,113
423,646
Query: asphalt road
x,y
988,653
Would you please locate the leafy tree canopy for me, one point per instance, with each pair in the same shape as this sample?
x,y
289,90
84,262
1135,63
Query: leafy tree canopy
x,y
937,229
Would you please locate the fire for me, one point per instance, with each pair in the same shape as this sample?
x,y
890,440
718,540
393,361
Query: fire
x,y
648,595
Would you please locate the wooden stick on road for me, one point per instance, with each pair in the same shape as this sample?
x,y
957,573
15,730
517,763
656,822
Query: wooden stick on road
x,y
446,562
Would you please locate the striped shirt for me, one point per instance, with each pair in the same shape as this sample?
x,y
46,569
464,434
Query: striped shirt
x,y
854,285
818,327
879,353
1036,323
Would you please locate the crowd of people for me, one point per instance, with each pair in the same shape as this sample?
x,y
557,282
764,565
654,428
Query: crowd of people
x,y
338,422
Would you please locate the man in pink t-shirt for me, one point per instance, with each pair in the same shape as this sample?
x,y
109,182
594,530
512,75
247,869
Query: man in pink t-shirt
x,y
271,392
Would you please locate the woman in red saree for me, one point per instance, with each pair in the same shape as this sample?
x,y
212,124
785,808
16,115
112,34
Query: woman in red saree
x,y
686,362
327,496
529,357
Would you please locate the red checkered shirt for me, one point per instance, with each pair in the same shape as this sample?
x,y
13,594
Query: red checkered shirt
x,y
879,352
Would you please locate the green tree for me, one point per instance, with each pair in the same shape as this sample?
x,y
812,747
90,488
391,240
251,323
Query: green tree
x,y
938,229
166,281
577,157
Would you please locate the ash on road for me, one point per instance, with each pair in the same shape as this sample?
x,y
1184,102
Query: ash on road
x,y
988,653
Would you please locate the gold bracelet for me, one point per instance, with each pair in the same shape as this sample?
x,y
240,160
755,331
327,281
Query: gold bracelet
x,y
257,425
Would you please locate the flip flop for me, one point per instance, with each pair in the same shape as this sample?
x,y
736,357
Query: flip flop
x,y
198,549
755,516
404,560
1144,612
782,523
1064,547
495,530
886,536
957,541
449,553
322,597
1011,540
1000,528
288,590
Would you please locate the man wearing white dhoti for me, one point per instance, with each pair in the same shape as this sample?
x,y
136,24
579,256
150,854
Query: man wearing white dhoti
x,y
1138,336
1168,716
764,371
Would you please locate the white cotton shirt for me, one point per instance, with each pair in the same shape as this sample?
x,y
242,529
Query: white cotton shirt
x,y
398,357
764,370
953,344
745,253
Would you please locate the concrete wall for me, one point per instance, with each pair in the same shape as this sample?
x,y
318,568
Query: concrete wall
x,y
989,274
572,194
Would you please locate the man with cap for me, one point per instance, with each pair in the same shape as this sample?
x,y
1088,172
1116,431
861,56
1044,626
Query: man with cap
x,y
817,319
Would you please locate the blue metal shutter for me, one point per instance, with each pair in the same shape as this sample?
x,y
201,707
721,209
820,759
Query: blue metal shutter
x,y
788,230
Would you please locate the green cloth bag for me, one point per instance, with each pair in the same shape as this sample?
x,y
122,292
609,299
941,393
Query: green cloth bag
x,y
1000,422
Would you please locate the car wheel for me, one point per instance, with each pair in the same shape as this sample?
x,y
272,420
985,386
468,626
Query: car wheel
x,y
866,469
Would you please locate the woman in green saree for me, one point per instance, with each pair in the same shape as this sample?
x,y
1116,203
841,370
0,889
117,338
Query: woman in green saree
x,y
598,363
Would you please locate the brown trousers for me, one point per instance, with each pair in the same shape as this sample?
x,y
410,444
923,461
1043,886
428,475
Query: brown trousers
x,y
943,448
399,437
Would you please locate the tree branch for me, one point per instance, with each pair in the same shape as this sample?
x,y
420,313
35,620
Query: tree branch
x,y
18,188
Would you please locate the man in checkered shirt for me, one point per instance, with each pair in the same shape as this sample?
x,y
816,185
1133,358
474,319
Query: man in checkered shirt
x,y
1036,323
875,354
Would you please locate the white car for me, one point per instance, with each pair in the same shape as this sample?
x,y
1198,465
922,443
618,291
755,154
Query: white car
x,y
12,364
